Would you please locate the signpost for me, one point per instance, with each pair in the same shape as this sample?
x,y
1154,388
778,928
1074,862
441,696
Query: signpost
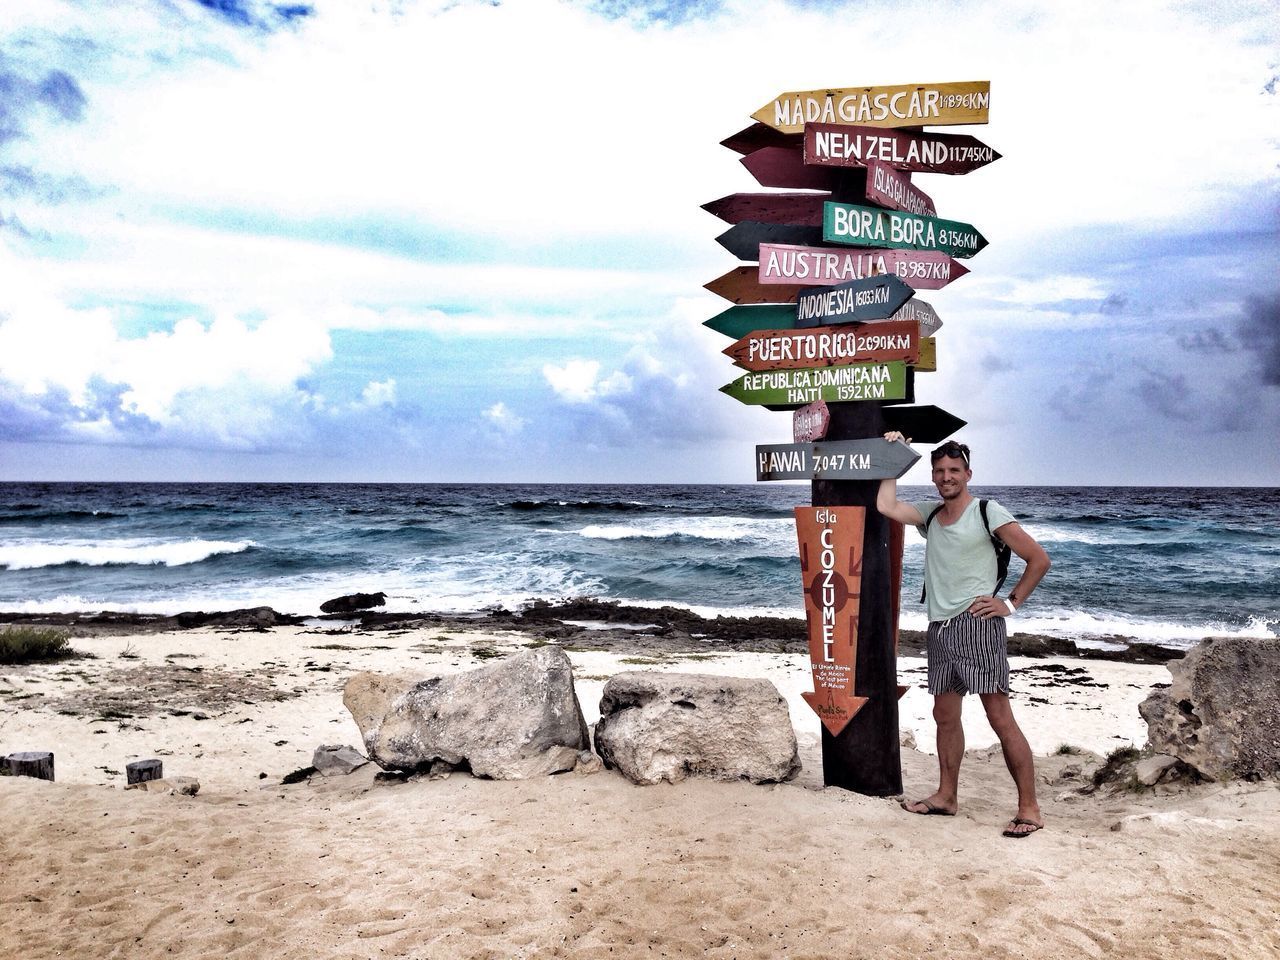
x,y
858,300
919,269
832,145
737,322
836,335
924,424
786,349
857,381
810,422
831,571
907,105
873,458
873,227
889,188
793,208
743,239
742,285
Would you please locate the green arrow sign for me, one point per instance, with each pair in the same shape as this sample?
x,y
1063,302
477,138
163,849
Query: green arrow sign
x,y
874,227
857,381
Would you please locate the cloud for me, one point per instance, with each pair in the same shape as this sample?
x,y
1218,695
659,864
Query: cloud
x,y
501,417
380,393
1259,333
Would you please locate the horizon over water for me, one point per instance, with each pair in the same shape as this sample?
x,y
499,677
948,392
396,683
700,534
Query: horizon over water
x,y
1158,564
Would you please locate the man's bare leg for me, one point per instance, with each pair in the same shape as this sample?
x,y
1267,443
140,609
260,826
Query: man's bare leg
x,y
1017,757
946,714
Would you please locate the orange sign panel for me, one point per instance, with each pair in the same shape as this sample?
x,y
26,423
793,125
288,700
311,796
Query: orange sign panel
x,y
831,570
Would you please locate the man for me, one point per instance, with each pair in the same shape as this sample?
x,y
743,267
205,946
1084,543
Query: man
x,y
967,645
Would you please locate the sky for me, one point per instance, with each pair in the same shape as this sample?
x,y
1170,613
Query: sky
x,y
462,241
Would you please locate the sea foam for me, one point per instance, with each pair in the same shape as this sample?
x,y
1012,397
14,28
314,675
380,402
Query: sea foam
x,y
99,553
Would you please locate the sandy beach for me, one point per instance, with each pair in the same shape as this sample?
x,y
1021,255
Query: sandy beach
x,y
585,865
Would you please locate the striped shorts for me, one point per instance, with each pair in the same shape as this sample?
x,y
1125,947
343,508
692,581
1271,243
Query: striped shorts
x,y
968,655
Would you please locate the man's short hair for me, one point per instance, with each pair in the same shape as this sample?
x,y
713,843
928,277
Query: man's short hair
x,y
951,449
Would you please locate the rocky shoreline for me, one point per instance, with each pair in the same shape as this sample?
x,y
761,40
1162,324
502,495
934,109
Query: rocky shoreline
x,y
582,623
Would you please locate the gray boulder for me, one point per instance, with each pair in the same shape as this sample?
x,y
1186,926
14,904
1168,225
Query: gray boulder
x,y
668,726
508,720
337,760
1221,714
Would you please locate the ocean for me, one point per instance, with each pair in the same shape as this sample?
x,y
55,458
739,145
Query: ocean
x,y
1156,564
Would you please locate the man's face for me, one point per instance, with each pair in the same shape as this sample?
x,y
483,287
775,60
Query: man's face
x,y
951,477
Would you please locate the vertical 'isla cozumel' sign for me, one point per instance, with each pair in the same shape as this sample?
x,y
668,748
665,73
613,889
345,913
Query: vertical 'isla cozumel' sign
x,y
903,105
831,570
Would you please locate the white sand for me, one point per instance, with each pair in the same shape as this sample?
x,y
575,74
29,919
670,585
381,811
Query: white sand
x,y
575,866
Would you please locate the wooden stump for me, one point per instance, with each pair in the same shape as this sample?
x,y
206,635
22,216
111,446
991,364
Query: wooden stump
x,y
31,763
140,771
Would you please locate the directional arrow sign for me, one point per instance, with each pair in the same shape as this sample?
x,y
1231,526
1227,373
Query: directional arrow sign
x,y
743,239
742,285
785,167
871,459
889,188
909,105
873,227
737,322
830,145
831,571
920,269
752,138
810,422
927,362
874,298
860,381
794,208
922,313
788,349
926,424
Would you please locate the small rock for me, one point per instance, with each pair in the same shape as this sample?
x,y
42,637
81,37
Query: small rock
x,y
1152,769
337,760
588,763
185,786
908,739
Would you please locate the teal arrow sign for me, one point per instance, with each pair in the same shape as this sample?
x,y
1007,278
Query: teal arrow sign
x,y
874,227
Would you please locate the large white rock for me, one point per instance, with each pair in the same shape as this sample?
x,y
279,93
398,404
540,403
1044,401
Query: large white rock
x,y
507,720
668,726
1221,714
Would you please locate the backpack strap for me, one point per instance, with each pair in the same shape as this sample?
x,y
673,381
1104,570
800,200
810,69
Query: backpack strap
x,y
1001,548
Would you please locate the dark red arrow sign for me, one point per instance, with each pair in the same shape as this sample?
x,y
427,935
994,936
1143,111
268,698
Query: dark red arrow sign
x,y
795,208
759,135
827,346
834,145
810,422
831,571
742,285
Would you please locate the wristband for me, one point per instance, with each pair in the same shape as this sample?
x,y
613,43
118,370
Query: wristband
x,y
1008,602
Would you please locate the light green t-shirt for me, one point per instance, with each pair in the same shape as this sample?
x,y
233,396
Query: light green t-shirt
x,y
959,560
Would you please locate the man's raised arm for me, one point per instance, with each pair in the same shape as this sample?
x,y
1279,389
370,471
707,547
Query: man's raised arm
x,y
887,501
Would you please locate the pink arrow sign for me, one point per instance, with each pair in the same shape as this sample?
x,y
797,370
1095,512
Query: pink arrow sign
x,y
816,266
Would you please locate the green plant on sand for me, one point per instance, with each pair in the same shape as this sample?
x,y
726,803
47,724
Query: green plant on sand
x,y
31,644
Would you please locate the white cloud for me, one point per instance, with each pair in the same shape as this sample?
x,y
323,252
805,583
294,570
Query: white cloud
x,y
575,382
379,393
500,415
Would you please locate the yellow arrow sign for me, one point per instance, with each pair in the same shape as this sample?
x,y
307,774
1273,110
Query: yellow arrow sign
x,y
906,105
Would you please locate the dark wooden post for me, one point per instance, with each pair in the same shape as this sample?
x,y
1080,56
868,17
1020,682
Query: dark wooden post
x,y
865,757
140,771
31,763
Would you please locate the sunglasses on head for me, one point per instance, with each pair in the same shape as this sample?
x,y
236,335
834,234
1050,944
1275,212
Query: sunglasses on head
x,y
951,449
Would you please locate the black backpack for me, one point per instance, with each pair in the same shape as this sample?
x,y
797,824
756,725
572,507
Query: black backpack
x,y
1003,553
